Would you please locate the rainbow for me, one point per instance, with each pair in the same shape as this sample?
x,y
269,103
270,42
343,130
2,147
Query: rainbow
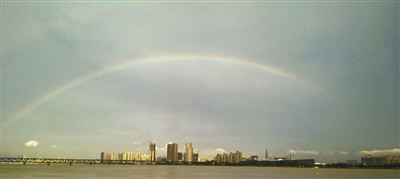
x,y
157,59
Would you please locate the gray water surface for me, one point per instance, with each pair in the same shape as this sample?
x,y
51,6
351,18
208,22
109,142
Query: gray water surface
x,y
164,171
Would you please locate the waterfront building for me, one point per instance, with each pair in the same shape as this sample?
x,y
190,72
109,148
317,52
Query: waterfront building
x,y
189,152
280,158
291,157
395,159
266,154
237,157
114,156
152,152
254,157
203,159
172,152
218,158
333,161
351,162
180,157
225,157
230,157
143,157
137,156
103,156
195,157
126,156
161,159
369,160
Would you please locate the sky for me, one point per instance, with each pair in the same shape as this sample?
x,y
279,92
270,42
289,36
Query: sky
x,y
316,79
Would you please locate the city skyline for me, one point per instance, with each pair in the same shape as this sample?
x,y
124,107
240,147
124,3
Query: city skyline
x,y
315,79
172,155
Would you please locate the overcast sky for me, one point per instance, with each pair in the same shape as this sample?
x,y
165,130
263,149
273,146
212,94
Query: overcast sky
x,y
317,79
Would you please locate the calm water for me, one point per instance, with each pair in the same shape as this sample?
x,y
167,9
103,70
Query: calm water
x,y
162,171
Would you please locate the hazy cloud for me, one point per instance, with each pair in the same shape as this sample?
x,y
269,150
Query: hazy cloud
x,y
137,142
32,143
158,148
54,147
330,152
377,152
303,152
343,152
220,150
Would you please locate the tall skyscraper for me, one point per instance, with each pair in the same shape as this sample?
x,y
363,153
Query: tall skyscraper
x,y
172,152
189,152
238,157
102,157
266,154
152,151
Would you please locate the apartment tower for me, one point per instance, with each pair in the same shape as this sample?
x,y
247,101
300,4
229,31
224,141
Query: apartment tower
x,y
189,152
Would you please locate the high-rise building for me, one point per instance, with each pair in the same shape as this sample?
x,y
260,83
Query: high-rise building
x,y
180,156
266,154
172,152
195,157
152,151
369,160
137,157
224,157
106,156
125,156
114,156
189,152
230,157
218,158
103,156
238,157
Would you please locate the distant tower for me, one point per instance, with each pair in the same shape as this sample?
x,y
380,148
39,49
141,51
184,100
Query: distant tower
x,y
266,154
172,152
189,152
152,151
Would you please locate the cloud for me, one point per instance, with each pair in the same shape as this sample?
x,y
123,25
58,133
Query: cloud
x,y
137,142
54,147
220,150
343,152
162,148
304,152
32,143
330,152
378,152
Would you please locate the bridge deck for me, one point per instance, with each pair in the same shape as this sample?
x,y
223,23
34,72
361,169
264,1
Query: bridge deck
x,y
69,161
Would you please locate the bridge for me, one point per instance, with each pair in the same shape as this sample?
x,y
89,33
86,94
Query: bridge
x,y
48,161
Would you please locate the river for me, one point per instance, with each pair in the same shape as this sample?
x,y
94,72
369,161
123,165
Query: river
x,y
164,171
